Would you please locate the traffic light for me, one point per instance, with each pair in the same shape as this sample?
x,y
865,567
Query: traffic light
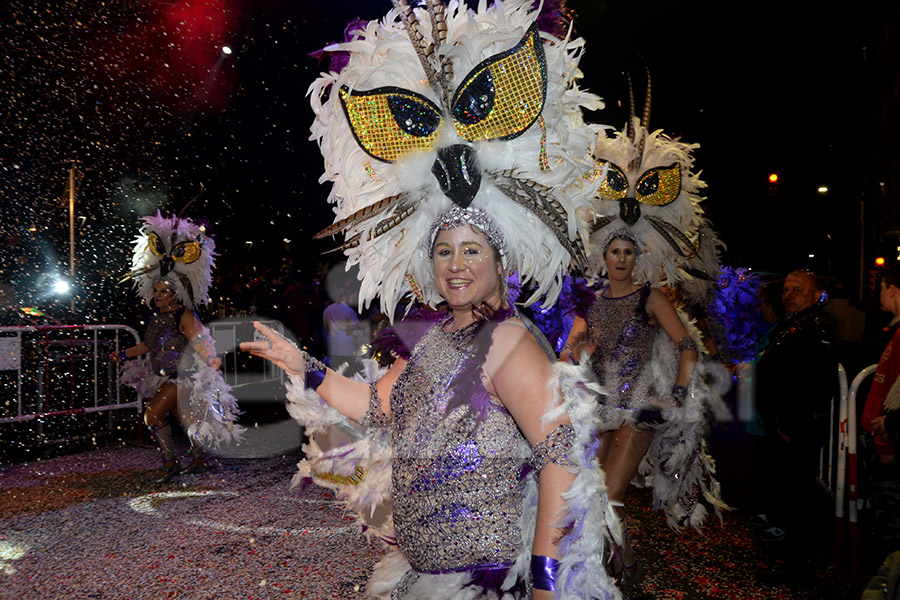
x,y
773,185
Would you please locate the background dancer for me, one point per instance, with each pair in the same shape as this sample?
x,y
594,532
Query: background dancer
x,y
180,377
619,338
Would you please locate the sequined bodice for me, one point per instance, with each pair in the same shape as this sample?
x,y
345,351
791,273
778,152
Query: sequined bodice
x,y
456,492
165,341
624,339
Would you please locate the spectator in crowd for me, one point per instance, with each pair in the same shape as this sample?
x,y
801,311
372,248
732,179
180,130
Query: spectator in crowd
x,y
847,321
796,377
342,325
772,310
888,369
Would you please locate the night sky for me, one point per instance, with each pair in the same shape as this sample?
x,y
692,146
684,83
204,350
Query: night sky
x,y
141,95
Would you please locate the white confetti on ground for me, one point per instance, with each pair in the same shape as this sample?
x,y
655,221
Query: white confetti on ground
x,y
96,525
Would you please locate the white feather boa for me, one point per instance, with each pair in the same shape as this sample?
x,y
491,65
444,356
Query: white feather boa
x,y
677,465
213,408
357,470
593,522
209,412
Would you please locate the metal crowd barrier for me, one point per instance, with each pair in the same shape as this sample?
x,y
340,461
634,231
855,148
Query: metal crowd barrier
x,y
51,372
847,474
54,371
239,369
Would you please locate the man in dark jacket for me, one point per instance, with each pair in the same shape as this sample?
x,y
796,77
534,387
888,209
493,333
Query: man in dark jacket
x,y
796,379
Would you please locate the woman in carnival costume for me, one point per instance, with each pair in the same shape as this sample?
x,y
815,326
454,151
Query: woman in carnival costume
x,y
634,344
452,138
179,376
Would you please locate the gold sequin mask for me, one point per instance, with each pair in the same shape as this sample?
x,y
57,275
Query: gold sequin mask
x,y
183,252
658,186
498,100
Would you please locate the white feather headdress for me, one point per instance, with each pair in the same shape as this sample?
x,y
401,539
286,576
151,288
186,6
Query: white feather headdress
x,y
176,251
439,105
648,187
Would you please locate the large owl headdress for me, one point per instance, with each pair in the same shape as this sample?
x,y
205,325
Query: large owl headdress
x,y
647,187
439,106
176,251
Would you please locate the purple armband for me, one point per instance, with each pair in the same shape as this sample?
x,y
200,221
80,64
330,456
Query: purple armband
x,y
315,371
122,356
544,570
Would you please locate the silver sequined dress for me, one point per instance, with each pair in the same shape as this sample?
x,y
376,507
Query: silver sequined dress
x,y
167,344
624,338
456,488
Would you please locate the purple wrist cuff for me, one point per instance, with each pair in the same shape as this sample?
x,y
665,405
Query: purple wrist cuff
x,y
122,356
543,572
315,378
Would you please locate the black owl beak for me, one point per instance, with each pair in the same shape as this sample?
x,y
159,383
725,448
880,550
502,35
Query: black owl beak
x,y
166,265
457,173
629,211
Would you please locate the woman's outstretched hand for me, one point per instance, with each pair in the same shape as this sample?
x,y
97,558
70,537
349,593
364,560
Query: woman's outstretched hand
x,y
276,349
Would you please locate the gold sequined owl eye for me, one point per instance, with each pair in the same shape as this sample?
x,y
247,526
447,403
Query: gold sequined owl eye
x,y
388,122
659,186
155,245
614,185
186,252
504,95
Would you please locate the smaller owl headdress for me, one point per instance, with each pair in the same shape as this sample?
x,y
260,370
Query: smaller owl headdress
x,y
648,187
438,106
176,251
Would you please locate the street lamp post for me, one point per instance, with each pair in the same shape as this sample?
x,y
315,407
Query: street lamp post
x,y
72,173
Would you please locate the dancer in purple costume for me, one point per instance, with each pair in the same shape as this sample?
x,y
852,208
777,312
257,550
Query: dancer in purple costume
x,y
178,372
617,338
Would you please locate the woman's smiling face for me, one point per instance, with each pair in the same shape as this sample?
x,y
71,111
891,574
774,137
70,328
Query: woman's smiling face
x,y
163,296
466,269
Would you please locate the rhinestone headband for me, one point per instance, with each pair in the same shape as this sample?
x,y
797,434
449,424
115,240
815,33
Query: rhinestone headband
x,y
622,234
476,217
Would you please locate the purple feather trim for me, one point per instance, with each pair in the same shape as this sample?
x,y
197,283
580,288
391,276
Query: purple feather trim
x,y
400,339
583,299
489,578
339,59
554,18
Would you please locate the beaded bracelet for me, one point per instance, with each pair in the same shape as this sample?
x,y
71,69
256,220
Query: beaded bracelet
x,y
544,570
679,393
554,448
686,343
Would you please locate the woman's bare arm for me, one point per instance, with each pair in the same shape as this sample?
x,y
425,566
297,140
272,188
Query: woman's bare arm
x,y
576,343
141,348
518,374
347,396
192,329
661,310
